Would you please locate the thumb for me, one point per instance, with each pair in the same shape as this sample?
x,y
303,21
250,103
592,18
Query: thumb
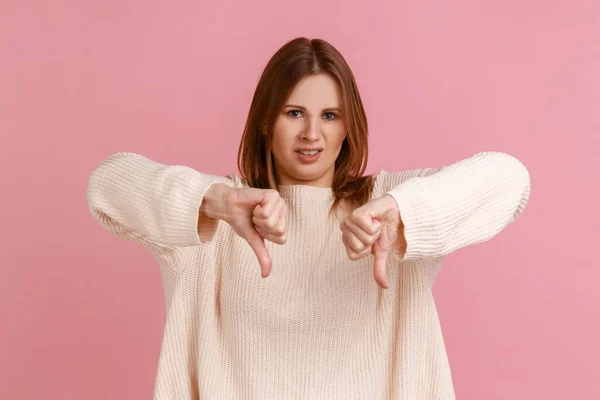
x,y
376,226
257,243
379,266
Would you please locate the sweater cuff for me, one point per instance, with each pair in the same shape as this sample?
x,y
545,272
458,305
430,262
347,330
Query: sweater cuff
x,y
183,223
418,236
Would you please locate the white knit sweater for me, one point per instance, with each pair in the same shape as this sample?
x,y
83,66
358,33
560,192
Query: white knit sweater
x,y
318,327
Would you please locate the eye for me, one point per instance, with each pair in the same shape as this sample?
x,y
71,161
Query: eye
x,y
333,116
293,111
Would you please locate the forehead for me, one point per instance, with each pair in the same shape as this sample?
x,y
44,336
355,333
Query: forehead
x,y
316,91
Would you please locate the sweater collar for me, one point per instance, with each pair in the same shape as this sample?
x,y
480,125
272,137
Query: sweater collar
x,y
305,192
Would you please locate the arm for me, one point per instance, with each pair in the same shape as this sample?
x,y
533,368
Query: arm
x,y
139,199
462,204
213,209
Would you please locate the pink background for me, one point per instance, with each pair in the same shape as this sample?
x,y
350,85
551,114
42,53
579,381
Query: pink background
x,y
82,312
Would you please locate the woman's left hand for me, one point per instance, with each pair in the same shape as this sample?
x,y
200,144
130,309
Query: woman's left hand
x,y
372,228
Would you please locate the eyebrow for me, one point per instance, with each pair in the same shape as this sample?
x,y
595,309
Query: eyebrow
x,y
304,108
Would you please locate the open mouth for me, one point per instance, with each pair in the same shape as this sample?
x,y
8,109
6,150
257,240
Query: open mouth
x,y
310,153
309,156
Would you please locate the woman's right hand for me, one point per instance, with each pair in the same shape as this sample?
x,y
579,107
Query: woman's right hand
x,y
254,214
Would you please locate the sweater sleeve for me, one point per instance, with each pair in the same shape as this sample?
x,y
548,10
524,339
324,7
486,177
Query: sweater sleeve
x,y
139,199
458,205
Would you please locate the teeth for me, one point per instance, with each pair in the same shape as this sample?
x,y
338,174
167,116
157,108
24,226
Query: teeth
x,y
309,153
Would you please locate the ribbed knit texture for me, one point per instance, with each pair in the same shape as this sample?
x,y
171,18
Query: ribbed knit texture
x,y
319,327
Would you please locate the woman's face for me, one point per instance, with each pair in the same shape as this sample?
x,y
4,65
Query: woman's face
x,y
309,133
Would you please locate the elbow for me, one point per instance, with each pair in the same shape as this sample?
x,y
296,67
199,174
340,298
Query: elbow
x,y
514,168
524,185
95,186
516,178
520,181
99,179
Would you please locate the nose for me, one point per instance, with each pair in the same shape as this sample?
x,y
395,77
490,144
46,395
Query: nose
x,y
312,132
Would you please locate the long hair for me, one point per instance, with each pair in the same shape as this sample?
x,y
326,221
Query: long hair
x,y
297,59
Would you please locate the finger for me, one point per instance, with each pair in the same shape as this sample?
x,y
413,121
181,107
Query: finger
x,y
257,243
377,227
268,217
379,267
282,223
364,221
353,255
258,212
269,203
284,217
364,253
281,228
355,243
349,250
273,219
275,238
363,236
278,228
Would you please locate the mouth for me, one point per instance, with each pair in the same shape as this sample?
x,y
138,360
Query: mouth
x,y
308,156
309,152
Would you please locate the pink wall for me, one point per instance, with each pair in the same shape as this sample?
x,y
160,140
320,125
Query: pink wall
x,y
82,312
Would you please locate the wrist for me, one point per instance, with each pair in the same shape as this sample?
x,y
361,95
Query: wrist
x,y
400,244
391,203
214,202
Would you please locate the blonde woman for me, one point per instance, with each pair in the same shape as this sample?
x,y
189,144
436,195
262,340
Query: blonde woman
x,y
303,278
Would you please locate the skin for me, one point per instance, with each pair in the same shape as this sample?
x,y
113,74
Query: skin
x,y
373,229
317,122
257,215
313,117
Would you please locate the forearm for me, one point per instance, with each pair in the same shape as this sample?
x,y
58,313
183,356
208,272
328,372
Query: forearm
x,y
213,209
140,199
466,203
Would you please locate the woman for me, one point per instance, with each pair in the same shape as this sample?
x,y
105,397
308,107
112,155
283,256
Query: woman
x,y
320,326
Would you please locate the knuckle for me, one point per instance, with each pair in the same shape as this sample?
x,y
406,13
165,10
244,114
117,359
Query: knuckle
x,y
357,244
272,194
356,213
